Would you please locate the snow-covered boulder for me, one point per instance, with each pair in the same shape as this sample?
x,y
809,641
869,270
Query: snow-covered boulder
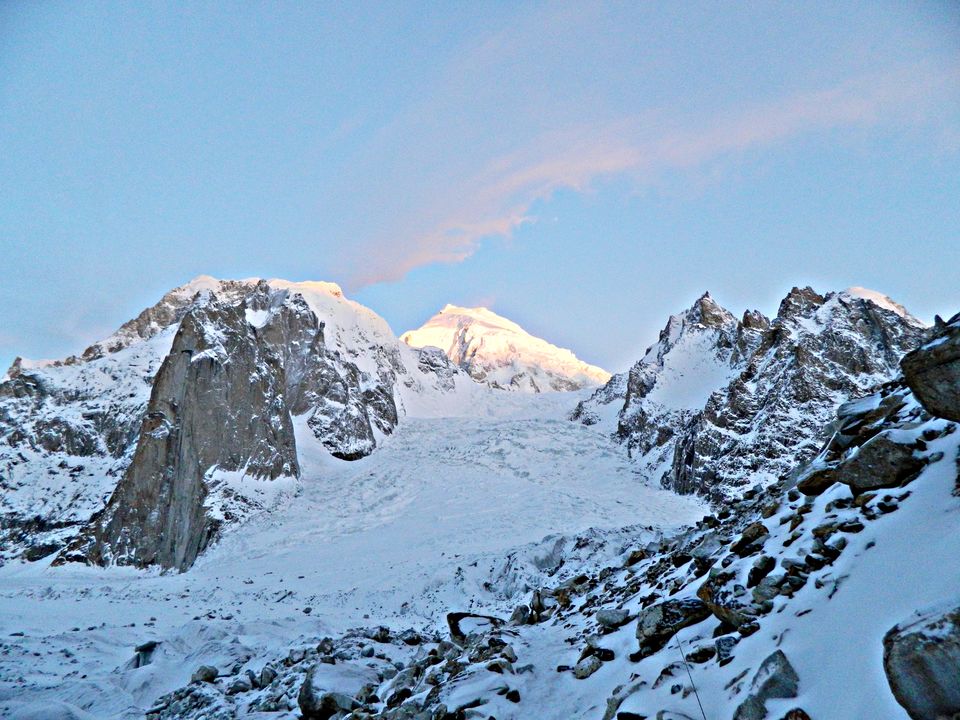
x,y
921,657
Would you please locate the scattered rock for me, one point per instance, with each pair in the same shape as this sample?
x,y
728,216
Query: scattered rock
x,y
322,693
658,623
725,646
205,673
144,653
462,624
751,540
520,615
728,601
612,617
241,684
398,697
761,568
267,676
775,678
587,667
702,654
817,481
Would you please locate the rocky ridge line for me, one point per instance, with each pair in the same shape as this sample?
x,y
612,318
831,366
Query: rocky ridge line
x,y
754,394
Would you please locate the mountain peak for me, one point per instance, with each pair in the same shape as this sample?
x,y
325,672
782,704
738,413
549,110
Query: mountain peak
x,y
708,312
799,301
705,313
497,351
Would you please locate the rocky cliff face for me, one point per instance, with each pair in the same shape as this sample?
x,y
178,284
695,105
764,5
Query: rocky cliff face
x,y
721,404
218,403
222,403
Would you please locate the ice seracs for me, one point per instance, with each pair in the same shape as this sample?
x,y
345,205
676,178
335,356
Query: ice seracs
x,y
500,353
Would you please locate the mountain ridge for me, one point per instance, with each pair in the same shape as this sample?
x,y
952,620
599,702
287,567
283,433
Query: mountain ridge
x,y
712,403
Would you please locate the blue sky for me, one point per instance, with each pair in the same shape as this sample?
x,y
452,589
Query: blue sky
x,y
584,169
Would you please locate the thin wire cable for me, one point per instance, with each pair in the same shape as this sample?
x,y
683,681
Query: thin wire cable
x,y
689,675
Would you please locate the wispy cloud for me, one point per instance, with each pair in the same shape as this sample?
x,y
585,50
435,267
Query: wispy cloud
x,y
498,198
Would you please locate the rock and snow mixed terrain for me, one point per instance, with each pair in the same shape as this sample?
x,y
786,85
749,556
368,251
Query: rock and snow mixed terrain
x,y
500,353
719,404
367,529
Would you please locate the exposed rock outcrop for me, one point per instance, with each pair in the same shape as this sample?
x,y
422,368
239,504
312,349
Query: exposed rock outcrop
x,y
658,623
239,369
217,404
775,678
933,371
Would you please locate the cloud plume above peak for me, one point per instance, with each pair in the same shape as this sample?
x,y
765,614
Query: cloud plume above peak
x,y
494,199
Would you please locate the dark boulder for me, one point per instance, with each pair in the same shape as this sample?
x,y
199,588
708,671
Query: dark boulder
x,y
881,462
729,601
933,371
922,661
775,678
658,623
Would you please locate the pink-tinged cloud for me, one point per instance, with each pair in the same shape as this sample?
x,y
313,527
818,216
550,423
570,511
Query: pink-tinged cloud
x,y
497,199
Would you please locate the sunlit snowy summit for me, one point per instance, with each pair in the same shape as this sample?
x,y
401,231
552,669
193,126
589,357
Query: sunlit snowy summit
x,y
500,353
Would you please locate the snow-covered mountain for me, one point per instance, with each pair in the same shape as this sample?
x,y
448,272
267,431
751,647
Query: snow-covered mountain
x,y
500,353
184,417
718,404
364,530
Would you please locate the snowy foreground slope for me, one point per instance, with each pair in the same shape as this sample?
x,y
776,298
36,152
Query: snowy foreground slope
x,y
500,353
398,538
383,536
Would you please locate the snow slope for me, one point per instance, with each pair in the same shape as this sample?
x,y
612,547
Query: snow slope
x,y
502,354
899,563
